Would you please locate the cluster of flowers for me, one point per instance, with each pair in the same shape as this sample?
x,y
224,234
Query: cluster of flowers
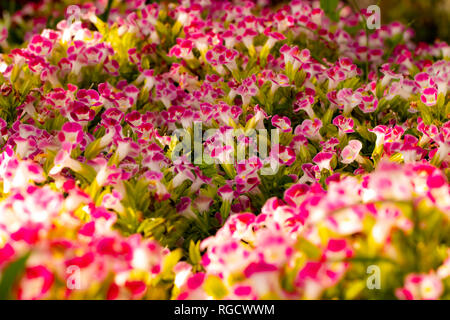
x,y
302,246
98,201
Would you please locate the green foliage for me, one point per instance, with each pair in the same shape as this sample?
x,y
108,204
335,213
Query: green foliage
x,y
329,7
10,275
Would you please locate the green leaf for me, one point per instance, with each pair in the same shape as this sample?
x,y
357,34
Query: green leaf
x,y
440,104
49,160
414,70
171,260
150,225
326,119
11,275
354,290
447,109
215,287
329,7
425,112
93,149
308,248
105,14
379,90
194,252
366,134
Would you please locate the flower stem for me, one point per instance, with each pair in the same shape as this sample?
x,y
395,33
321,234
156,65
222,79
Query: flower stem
x,y
105,14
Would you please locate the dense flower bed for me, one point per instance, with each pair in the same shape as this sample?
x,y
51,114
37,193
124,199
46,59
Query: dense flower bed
x,y
102,192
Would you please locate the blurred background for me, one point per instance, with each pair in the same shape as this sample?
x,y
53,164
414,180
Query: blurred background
x,y
429,18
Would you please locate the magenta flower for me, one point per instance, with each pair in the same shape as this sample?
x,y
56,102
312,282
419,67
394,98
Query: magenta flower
x,y
283,123
183,49
36,274
429,96
346,65
381,132
3,35
148,77
184,208
277,80
369,104
329,145
15,173
298,141
273,37
305,104
323,160
247,90
219,56
423,80
348,100
351,152
283,154
334,75
429,131
63,160
40,45
71,134
310,129
247,38
226,193
421,286
294,56
6,254
111,66
345,125
295,194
